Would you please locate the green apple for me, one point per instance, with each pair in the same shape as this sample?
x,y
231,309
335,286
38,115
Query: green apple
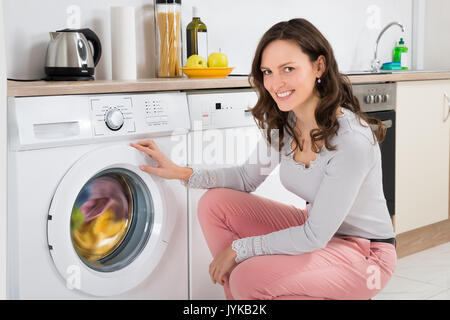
x,y
196,61
217,60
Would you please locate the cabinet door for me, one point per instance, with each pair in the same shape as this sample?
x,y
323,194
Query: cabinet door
x,y
422,154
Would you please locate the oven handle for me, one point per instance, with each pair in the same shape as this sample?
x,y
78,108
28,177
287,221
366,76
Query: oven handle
x,y
387,124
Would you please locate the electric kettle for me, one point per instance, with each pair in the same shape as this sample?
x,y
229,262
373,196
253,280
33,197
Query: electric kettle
x,y
69,55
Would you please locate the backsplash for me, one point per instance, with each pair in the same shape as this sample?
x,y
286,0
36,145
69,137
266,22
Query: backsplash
x,y
350,26
28,23
234,26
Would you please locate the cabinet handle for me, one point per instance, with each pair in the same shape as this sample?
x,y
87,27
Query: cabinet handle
x,y
447,99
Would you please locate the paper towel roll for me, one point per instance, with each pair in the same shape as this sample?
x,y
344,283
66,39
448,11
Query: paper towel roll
x,y
123,43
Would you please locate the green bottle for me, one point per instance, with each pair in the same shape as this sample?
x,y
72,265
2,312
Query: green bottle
x,y
197,36
400,54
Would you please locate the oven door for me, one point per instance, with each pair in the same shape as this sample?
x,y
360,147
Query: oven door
x,y
387,155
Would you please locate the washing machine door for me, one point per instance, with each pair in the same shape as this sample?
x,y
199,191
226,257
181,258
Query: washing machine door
x,y
107,222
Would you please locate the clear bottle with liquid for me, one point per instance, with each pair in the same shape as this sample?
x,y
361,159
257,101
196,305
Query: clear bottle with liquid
x,y
197,36
168,37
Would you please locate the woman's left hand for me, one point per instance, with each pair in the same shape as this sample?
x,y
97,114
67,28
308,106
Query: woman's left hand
x,y
222,264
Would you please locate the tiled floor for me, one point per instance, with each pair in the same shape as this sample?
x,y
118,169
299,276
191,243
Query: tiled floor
x,y
421,276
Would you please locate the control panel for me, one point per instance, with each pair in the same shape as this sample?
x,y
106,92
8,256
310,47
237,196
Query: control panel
x,y
112,114
117,114
52,121
221,109
155,112
376,96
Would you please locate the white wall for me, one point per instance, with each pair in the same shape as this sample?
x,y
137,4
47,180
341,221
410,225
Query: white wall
x,y
3,169
28,23
436,46
351,26
233,25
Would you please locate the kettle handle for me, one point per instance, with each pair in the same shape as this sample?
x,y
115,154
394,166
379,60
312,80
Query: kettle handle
x,y
93,38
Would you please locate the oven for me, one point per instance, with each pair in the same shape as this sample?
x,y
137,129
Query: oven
x,y
378,100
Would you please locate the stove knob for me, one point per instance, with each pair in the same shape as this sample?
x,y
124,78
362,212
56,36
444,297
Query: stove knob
x,y
114,119
369,99
385,98
378,98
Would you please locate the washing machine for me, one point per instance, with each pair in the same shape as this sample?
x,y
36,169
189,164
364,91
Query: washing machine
x,y
223,134
84,222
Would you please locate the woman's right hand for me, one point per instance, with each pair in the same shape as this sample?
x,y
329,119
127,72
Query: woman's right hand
x,y
166,168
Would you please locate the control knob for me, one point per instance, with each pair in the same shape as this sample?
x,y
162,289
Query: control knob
x,y
378,98
369,99
114,119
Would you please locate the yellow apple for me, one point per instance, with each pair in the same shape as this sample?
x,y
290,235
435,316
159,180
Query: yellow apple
x,y
217,60
196,61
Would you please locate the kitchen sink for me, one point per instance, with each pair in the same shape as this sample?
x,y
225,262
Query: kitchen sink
x,y
419,71
366,72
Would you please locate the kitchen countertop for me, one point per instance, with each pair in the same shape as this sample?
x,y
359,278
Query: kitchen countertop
x,y
44,88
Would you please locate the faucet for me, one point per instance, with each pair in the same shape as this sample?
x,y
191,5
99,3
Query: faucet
x,y
376,63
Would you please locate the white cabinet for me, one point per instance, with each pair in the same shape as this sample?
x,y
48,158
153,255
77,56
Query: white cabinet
x,y
422,154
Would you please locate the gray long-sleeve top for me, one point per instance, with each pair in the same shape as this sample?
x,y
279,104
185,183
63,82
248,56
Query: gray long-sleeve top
x,y
344,189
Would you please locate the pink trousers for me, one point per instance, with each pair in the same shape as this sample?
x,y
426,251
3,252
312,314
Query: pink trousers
x,y
347,268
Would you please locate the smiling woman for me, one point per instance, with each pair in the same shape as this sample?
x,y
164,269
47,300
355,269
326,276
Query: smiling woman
x,y
342,245
294,65
291,83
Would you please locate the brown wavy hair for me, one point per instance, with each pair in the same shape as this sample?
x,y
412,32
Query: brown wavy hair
x,y
334,89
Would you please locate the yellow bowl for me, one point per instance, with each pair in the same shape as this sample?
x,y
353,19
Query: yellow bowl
x,y
207,72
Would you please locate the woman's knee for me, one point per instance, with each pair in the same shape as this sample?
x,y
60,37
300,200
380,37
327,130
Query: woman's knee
x,y
240,287
245,282
209,202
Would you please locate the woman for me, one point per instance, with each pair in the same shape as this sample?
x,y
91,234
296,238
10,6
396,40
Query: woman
x,y
342,245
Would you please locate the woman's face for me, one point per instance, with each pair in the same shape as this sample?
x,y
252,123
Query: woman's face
x,y
289,76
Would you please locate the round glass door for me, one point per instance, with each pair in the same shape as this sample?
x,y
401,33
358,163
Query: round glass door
x,y
111,219
107,222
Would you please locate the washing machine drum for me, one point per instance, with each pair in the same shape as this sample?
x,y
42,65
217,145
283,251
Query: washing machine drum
x,y
106,223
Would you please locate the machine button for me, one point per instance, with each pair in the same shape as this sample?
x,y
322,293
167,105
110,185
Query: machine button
x,y
114,119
